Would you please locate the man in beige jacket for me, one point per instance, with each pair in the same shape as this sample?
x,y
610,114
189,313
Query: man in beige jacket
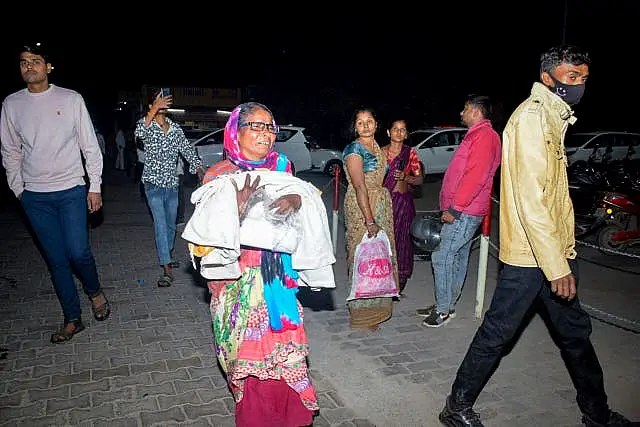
x,y
537,247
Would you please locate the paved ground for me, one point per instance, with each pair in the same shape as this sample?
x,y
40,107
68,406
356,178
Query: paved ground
x,y
152,362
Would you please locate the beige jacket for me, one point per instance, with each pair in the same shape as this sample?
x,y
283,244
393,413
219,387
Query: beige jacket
x,y
536,214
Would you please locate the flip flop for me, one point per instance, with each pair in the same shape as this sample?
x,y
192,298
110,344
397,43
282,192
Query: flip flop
x,y
63,335
165,281
100,312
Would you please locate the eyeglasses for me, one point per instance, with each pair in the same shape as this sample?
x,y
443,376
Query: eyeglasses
x,y
260,127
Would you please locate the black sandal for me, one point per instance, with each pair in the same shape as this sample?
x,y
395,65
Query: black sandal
x,y
63,335
165,281
100,312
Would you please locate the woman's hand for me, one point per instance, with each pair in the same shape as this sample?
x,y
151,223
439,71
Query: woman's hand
x,y
372,230
287,204
399,175
242,196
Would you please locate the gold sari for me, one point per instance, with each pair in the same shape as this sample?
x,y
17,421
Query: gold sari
x,y
366,313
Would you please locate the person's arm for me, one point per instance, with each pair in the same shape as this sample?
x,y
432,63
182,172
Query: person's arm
x,y
475,174
141,132
415,171
189,153
528,170
11,153
89,145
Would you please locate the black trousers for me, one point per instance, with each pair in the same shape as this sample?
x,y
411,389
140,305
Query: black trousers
x,y
517,290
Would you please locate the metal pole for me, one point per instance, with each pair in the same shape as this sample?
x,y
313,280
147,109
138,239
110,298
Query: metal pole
x,y
482,263
336,203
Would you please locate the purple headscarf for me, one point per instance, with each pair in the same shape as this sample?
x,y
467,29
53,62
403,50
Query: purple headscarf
x,y
232,148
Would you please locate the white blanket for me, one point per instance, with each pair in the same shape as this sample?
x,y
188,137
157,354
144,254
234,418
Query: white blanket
x,y
305,234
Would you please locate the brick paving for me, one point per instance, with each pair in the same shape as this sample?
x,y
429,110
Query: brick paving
x,y
152,363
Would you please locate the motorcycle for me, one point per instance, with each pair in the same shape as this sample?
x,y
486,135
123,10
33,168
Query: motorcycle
x,y
622,225
625,173
587,180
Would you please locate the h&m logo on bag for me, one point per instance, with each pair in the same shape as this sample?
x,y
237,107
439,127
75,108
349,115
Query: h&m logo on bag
x,y
375,268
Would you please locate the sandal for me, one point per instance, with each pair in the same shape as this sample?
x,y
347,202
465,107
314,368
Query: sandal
x,y
100,312
165,281
63,335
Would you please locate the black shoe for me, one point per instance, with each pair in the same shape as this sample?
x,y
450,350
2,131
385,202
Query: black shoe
x,y
463,418
615,420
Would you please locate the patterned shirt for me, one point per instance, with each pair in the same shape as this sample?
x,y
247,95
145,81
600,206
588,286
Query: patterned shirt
x,y
161,153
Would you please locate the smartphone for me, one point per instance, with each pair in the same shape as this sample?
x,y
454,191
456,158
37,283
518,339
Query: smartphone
x,y
401,164
165,91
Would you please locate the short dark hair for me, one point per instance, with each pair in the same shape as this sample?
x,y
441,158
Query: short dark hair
x,y
36,49
563,54
482,103
152,93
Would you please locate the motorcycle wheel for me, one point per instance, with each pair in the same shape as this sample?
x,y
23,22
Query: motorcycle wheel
x,y
604,239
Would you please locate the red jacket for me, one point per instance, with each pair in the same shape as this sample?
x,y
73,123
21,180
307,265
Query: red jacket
x,y
466,187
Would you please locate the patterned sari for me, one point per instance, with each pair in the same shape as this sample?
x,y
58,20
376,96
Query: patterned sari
x,y
404,211
261,345
368,312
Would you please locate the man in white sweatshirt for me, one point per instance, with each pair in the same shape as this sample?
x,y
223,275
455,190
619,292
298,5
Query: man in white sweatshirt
x,y
45,131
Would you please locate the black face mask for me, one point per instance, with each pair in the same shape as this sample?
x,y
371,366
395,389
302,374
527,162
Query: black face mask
x,y
571,94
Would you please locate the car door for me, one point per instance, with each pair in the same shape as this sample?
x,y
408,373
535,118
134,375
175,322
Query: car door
x,y
291,143
210,148
620,146
439,150
597,147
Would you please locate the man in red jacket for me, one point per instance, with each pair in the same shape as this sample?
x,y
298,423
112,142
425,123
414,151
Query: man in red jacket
x,y
464,201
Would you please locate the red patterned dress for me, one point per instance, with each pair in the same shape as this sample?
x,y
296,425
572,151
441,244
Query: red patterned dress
x,y
266,369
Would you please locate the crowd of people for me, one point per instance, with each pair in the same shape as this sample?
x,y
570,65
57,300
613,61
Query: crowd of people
x,y
254,278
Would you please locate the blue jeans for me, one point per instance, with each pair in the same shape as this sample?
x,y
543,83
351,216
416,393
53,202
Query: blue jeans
x,y
451,258
59,220
517,290
163,202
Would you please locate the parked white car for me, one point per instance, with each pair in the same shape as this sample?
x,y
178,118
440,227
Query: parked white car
x,y
193,135
579,146
325,160
290,141
436,147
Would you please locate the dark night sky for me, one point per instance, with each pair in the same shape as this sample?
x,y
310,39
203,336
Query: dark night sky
x,y
419,65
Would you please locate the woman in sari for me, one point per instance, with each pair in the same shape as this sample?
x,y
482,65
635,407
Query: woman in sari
x,y
263,357
367,209
404,170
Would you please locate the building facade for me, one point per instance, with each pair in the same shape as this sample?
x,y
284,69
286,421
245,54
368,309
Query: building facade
x,y
193,107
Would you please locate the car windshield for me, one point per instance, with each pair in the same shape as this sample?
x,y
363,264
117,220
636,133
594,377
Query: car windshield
x,y
418,136
577,140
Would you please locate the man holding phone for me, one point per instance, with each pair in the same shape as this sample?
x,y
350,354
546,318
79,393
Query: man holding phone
x,y
464,201
164,141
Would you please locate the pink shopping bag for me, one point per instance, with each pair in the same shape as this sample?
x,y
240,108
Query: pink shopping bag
x,y
373,269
